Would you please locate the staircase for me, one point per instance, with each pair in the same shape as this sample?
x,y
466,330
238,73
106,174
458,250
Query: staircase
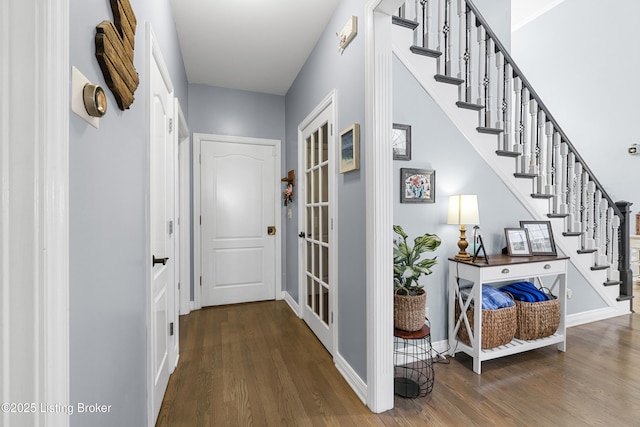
x,y
451,51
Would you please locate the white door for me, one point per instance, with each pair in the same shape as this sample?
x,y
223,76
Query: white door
x,y
238,213
161,262
317,235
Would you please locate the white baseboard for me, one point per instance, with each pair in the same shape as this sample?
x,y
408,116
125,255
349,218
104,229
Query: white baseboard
x,y
594,316
292,303
351,377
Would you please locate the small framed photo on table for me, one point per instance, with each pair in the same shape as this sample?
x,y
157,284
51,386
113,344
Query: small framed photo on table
x,y
540,237
517,242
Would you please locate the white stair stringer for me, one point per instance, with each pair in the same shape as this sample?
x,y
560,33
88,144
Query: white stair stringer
x,y
424,69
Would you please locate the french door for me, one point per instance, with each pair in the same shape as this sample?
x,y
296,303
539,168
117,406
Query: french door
x,y
317,224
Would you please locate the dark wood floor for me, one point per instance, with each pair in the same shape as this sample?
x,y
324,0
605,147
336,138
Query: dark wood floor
x,y
258,364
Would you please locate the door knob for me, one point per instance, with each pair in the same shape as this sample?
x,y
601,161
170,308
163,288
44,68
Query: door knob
x,y
155,260
271,230
302,235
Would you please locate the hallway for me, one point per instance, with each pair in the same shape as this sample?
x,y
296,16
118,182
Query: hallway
x,y
258,364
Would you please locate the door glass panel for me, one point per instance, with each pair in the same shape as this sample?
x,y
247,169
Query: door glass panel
x,y
309,257
309,179
316,186
309,152
309,231
325,304
324,142
316,297
316,260
309,292
324,172
325,265
316,223
325,224
316,157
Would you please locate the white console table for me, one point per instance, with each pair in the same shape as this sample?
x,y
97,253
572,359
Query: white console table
x,y
502,270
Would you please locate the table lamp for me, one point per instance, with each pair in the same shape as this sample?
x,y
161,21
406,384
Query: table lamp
x,y
463,209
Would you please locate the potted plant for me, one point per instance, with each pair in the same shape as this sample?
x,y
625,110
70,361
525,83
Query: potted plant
x,y
410,298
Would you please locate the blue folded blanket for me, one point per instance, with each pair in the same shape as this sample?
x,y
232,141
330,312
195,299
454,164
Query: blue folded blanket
x,y
525,291
493,299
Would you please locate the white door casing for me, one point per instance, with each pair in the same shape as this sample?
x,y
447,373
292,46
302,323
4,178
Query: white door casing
x,y
317,262
161,308
237,198
183,223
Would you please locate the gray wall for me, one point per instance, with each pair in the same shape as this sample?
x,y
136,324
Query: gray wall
x,y
580,57
498,16
221,111
325,70
108,193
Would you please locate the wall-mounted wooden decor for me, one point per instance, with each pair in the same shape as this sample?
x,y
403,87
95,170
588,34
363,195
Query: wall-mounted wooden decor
x,y
114,50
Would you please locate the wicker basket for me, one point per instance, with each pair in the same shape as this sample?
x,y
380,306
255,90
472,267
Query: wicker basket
x,y
408,311
537,319
498,326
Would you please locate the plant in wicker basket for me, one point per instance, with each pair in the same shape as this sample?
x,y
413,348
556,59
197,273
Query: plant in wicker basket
x,y
410,298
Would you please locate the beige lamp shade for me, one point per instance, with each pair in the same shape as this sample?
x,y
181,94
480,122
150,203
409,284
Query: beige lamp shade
x,y
463,209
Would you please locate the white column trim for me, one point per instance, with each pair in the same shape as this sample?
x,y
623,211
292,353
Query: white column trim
x,y
379,217
34,208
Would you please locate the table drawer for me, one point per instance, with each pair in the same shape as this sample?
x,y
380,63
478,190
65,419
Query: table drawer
x,y
521,271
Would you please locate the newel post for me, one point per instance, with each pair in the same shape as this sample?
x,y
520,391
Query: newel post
x,y
626,276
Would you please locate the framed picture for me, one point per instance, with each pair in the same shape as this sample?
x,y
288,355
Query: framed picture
x,y
540,237
517,242
417,186
350,148
401,142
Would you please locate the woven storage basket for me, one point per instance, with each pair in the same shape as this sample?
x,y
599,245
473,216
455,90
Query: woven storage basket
x,y
498,326
537,319
408,311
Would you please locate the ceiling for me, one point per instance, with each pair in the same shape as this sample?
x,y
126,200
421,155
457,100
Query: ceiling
x,y
261,45
254,45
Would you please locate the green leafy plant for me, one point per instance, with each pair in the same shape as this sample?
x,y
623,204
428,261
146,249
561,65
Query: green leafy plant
x,y
407,265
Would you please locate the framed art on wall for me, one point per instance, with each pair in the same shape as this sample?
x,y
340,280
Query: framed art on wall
x,y
417,185
401,142
350,148
517,242
540,237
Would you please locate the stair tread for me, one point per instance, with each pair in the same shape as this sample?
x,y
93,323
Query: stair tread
x,y
599,267
425,51
557,215
572,233
505,153
448,79
624,298
403,22
492,131
524,175
613,283
470,106
541,196
587,251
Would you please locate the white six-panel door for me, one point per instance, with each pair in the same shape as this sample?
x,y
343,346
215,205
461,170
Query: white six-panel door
x,y
238,208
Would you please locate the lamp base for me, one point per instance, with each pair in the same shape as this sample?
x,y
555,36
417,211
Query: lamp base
x,y
462,254
462,257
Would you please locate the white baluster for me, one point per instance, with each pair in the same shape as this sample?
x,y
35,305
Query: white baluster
x,y
500,103
526,142
590,237
548,171
564,152
449,44
533,117
602,234
541,172
596,222
557,174
578,202
490,83
482,57
428,26
441,38
462,40
614,272
584,207
517,118
571,163
508,122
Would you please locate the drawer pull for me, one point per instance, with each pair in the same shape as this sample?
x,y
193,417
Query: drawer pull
x,y
547,266
505,271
